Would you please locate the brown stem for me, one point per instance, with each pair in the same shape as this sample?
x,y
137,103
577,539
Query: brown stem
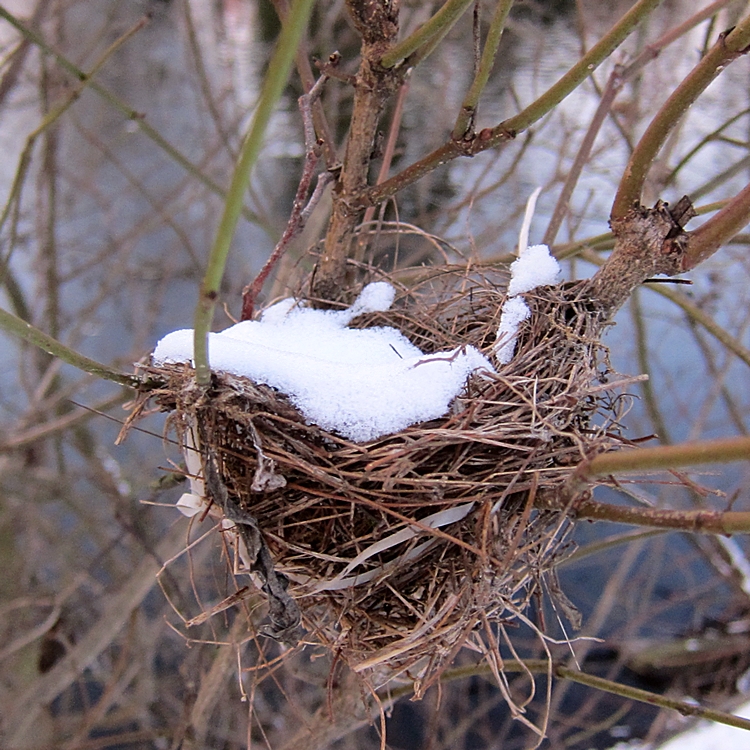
x,y
611,90
300,212
695,521
648,242
307,77
619,76
719,229
385,167
442,155
508,129
377,22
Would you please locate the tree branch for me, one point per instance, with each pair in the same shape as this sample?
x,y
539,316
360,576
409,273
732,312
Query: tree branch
x,y
437,26
377,22
667,457
465,122
136,117
718,230
299,213
728,48
41,340
273,85
694,521
508,129
648,241
543,666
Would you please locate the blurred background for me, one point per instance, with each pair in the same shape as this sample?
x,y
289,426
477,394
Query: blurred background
x,y
109,207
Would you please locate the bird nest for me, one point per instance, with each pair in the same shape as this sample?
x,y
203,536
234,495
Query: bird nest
x,y
396,553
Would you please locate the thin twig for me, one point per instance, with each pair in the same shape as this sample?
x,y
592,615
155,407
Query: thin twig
x,y
300,211
467,116
509,129
541,666
273,85
51,117
131,114
611,90
307,78
438,25
41,340
385,167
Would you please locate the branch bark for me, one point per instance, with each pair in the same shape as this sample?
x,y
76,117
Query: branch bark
x,y
648,241
508,129
669,456
377,22
694,521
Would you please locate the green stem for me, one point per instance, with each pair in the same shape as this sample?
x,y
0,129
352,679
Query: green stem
x,y
725,51
278,72
600,52
438,25
465,121
653,699
508,129
667,457
53,115
27,332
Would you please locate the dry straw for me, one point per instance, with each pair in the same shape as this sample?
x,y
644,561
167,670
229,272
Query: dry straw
x,y
397,553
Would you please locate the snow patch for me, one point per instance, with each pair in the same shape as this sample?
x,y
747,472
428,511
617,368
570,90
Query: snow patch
x,y
534,267
362,384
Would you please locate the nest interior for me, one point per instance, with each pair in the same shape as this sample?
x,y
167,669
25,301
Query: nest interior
x,y
399,551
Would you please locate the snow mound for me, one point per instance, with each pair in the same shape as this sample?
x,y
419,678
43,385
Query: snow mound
x,y
362,384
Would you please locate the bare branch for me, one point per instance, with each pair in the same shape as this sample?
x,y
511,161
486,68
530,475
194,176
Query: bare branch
x,y
728,48
377,21
300,212
508,129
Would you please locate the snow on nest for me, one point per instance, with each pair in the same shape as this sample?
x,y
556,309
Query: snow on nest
x,y
534,267
361,383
